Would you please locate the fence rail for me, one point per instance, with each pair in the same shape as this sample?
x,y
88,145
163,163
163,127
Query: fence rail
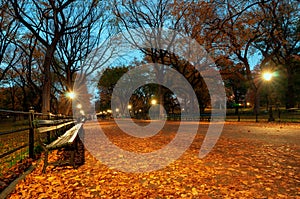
x,y
283,115
17,134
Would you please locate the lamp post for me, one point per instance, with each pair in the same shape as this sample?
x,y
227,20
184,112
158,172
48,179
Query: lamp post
x,y
155,114
267,76
71,95
117,112
129,109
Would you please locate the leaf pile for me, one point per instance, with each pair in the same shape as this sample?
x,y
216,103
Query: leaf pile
x,y
14,172
237,167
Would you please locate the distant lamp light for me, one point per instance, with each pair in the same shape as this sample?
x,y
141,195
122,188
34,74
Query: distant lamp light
x,y
248,103
129,106
82,112
79,106
153,102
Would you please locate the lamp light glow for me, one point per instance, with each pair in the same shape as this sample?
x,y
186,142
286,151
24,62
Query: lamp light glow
x,y
267,76
153,102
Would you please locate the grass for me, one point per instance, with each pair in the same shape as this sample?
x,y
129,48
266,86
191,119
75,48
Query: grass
x,y
9,142
14,140
10,124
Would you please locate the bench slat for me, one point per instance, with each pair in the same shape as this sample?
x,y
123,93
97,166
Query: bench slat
x,y
66,138
51,128
77,126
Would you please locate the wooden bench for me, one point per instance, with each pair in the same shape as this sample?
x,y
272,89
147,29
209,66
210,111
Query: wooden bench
x,y
66,140
48,126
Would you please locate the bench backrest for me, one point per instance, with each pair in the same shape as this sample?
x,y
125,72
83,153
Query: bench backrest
x,y
67,138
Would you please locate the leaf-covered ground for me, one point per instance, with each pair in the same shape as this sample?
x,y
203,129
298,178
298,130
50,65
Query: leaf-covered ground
x,y
250,160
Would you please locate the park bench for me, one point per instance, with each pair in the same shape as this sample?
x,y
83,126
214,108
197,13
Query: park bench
x,y
68,140
48,126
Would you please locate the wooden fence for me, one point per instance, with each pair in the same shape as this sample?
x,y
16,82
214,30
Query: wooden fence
x,y
17,134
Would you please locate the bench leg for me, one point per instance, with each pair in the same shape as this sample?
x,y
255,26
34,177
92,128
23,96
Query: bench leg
x,y
45,162
72,161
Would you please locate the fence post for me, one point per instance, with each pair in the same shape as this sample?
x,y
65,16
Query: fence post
x,y
31,134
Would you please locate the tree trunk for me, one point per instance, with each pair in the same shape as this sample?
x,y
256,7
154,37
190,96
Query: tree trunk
x,y
253,87
236,101
25,103
290,95
46,92
256,102
47,80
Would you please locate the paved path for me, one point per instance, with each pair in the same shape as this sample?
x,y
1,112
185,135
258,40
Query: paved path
x,y
274,133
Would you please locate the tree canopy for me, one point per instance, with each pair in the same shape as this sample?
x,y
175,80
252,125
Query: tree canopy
x,y
45,44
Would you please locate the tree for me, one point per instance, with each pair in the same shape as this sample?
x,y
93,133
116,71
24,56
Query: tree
x,y
30,69
73,49
48,21
143,15
235,81
280,41
8,33
233,34
107,82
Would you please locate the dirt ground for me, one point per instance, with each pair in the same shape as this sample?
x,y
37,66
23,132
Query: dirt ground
x,y
249,160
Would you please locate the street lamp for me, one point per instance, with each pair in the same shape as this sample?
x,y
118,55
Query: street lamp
x,y
79,106
267,76
117,112
82,112
129,109
71,95
153,102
